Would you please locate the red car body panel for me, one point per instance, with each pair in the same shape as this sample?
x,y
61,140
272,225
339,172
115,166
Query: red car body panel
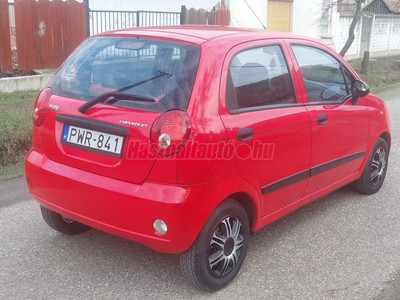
x,y
125,195
122,208
94,162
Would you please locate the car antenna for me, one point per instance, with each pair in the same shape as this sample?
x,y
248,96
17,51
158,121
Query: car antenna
x,y
255,14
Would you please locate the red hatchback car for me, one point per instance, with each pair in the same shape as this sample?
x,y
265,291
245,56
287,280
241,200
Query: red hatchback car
x,y
189,138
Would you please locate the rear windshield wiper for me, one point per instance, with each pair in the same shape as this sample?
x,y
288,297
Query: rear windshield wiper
x,y
118,95
144,81
113,97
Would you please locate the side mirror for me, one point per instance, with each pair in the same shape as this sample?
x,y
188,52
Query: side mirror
x,y
358,89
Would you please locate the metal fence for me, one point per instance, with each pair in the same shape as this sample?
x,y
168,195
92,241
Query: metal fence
x,y
100,21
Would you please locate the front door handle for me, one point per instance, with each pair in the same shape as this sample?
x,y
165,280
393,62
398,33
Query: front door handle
x,y
322,119
245,134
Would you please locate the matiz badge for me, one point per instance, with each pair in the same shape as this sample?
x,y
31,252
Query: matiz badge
x,y
54,107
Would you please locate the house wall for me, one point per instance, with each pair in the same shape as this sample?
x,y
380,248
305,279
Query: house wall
x,y
242,16
305,17
307,20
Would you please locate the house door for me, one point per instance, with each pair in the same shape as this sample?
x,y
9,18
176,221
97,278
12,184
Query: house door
x,y
279,15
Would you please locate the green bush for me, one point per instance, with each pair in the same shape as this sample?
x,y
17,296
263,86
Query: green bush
x,y
15,126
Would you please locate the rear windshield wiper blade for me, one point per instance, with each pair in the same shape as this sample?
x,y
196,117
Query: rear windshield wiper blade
x,y
118,95
113,97
144,81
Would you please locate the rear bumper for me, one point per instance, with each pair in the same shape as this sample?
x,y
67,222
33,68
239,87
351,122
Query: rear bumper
x,y
121,208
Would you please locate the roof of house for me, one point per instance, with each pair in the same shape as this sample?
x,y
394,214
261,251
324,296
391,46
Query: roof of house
x,y
383,7
393,5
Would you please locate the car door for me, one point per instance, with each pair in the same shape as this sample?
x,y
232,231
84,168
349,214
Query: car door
x,y
339,128
267,125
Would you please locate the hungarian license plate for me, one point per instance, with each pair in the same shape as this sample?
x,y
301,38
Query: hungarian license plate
x,y
92,140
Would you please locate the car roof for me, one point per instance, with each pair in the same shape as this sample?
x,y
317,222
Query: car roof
x,y
201,33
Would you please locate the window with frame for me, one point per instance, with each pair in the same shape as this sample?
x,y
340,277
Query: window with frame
x,y
259,77
161,70
324,77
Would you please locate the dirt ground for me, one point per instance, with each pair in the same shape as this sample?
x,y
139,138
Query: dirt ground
x,y
18,73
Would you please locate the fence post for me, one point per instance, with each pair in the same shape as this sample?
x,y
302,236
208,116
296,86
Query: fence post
x,y
5,42
183,14
360,29
87,18
390,34
138,18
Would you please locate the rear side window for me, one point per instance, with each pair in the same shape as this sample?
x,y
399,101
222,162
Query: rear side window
x,y
324,77
158,69
259,78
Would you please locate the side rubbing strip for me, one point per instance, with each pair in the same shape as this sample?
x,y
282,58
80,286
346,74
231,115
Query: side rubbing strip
x,y
285,182
335,163
310,172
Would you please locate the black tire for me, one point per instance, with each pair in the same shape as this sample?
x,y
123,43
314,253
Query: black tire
x,y
374,171
62,224
215,241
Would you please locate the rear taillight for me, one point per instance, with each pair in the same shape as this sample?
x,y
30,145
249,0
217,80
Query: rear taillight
x,y
170,132
40,107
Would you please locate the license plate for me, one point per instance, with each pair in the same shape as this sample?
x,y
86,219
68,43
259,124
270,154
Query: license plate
x,y
92,140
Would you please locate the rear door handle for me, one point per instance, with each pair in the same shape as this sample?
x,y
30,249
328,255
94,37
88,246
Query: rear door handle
x,y
245,134
322,119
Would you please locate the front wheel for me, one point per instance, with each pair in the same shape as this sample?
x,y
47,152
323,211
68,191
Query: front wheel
x,y
61,223
374,172
218,253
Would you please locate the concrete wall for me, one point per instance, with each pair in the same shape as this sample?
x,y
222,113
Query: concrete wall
x,y
385,35
384,38
25,83
342,34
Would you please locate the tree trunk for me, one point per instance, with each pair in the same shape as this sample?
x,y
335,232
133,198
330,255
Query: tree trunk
x,y
350,39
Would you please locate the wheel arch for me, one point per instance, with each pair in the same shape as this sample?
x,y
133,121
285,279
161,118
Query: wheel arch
x,y
248,204
386,137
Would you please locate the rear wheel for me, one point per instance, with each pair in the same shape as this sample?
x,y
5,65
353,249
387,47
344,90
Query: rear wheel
x,y
218,253
374,172
61,223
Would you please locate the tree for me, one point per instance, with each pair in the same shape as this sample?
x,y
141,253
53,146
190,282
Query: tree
x,y
328,5
356,18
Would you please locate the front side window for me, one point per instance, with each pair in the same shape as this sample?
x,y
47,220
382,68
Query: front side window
x,y
324,77
258,78
160,70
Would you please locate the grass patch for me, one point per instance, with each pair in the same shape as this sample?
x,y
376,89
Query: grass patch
x,y
12,171
15,131
383,72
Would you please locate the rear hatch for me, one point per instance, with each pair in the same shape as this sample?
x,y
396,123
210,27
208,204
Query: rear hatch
x,y
106,96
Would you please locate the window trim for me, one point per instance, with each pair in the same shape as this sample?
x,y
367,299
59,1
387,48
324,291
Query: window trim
x,y
342,68
265,107
235,111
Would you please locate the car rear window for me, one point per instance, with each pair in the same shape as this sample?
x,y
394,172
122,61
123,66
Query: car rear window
x,y
159,69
